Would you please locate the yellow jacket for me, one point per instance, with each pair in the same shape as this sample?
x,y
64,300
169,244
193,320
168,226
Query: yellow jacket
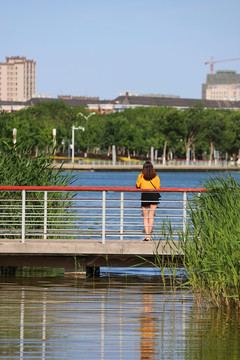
x,y
146,184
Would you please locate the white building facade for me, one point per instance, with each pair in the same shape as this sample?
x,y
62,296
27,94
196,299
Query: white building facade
x,y
223,92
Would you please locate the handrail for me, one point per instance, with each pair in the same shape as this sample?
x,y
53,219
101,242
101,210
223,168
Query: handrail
x,y
97,188
104,216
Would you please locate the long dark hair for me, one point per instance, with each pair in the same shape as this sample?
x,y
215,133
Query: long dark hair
x,y
148,171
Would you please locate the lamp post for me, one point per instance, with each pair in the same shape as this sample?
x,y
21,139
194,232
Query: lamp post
x,y
86,117
75,128
14,136
54,132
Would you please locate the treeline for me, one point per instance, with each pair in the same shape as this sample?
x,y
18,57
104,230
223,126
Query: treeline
x,y
133,131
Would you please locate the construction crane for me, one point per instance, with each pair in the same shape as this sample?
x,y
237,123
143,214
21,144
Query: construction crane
x,y
211,62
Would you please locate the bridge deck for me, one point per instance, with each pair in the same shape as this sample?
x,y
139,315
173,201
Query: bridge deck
x,y
88,253
84,247
92,226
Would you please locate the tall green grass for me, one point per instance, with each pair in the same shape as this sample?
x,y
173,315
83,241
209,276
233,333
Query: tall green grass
x,y
211,244
18,167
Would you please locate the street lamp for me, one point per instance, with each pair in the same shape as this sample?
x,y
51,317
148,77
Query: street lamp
x,y
54,132
75,128
14,136
86,117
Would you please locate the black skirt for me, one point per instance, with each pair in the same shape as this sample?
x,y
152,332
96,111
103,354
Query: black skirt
x,y
149,198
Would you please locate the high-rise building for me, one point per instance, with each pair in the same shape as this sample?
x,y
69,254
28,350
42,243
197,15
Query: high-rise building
x,y
224,85
17,79
223,92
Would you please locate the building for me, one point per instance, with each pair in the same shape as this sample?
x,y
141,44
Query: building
x,y
121,103
223,92
224,85
69,97
17,79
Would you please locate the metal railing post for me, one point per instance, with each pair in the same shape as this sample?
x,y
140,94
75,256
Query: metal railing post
x,y
121,215
184,211
103,216
45,216
23,215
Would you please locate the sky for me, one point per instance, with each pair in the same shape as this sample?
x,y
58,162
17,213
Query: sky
x,y
102,47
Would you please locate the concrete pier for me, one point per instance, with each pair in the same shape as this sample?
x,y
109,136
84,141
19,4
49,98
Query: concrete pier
x,y
84,255
160,168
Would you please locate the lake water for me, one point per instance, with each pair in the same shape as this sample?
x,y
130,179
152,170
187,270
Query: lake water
x,y
128,179
124,314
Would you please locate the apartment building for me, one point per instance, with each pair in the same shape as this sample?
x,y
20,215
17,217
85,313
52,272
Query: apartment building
x,y
17,79
223,92
224,85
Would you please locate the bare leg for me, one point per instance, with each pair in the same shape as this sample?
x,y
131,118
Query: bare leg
x,y
145,212
148,218
151,214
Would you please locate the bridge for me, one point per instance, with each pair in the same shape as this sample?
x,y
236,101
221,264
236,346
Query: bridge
x,y
84,228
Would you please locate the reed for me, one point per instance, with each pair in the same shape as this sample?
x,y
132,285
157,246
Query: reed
x,y
19,168
211,244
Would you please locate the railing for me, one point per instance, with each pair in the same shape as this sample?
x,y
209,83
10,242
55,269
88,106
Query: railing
x,y
175,162
100,213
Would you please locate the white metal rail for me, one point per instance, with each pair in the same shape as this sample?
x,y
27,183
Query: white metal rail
x,y
87,213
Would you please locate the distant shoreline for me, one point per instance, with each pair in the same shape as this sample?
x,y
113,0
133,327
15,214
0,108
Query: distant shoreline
x,y
161,168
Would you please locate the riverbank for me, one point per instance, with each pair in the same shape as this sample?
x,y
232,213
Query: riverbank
x,y
161,168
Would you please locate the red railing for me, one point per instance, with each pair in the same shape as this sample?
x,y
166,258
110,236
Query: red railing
x,y
113,213
95,188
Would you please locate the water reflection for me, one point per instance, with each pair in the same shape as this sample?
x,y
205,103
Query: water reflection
x,y
22,324
148,328
110,318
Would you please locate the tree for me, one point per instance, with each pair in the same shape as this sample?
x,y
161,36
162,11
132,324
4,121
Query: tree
x,y
191,124
232,133
213,129
132,131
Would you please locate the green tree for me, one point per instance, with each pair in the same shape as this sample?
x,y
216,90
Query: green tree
x,y
133,131
192,119
213,129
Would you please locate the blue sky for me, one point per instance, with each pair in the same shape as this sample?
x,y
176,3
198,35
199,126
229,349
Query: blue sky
x,y
98,48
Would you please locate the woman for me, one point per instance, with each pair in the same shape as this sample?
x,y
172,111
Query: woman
x,y
148,179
